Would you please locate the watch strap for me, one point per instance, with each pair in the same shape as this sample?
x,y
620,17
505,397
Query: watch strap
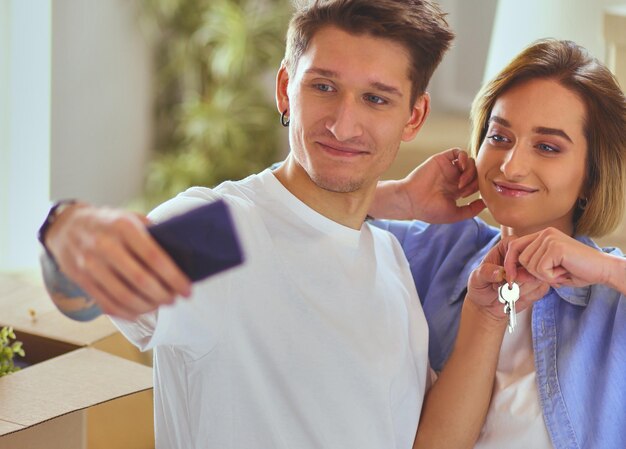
x,y
53,213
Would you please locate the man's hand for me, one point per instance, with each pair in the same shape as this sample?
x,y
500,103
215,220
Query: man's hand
x,y
557,259
112,257
483,284
429,193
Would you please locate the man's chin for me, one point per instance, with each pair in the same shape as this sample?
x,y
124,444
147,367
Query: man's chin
x,y
337,185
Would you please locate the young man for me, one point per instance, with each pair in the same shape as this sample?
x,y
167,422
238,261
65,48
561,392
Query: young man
x,y
318,340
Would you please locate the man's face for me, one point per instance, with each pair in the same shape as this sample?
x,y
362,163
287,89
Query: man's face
x,y
348,106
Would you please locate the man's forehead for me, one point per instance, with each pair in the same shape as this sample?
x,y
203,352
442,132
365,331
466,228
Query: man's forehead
x,y
336,53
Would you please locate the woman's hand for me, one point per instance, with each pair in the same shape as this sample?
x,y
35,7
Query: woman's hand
x,y
486,279
429,192
558,260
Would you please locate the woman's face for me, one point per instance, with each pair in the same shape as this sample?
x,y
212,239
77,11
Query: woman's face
x,y
531,165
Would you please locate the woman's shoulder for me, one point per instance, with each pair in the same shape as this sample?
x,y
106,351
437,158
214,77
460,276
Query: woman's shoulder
x,y
417,234
612,250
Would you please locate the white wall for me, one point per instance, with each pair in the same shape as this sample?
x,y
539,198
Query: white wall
x,y
24,128
518,23
460,74
101,101
75,112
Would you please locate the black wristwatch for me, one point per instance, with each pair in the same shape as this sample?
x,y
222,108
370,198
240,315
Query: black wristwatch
x,y
54,212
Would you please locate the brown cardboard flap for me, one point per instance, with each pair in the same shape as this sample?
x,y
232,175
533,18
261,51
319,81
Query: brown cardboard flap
x,y
70,382
8,427
53,324
21,295
39,349
64,432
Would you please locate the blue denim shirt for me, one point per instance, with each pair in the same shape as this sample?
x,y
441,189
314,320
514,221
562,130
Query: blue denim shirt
x,y
579,334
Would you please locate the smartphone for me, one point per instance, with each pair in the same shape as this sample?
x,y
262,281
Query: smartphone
x,y
202,242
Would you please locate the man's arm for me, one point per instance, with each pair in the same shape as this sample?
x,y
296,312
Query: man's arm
x,y
455,408
429,193
69,298
114,265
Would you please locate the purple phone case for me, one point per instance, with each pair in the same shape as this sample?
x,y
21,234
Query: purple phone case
x,y
202,241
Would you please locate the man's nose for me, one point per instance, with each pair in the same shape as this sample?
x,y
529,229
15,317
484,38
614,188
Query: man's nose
x,y
344,122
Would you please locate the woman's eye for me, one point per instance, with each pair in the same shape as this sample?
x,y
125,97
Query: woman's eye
x,y
375,99
497,138
547,148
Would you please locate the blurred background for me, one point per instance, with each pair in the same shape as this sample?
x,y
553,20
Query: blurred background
x,y
127,102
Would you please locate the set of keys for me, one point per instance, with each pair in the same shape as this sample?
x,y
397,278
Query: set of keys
x,y
508,295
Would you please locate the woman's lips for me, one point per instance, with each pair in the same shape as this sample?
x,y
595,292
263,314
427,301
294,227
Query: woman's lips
x,y
513,190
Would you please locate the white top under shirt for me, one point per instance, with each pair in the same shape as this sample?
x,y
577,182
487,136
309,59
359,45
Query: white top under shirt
x,y
515,419
317,341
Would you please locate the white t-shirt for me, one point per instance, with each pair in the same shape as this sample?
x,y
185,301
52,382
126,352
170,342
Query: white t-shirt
x,y
515,419
317,341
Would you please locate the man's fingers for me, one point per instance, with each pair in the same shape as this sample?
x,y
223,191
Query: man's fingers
x,y
113,296
155,270
141,279
160,264
143,219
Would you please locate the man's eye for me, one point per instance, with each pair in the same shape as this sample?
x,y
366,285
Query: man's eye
x,y
375,99
323,87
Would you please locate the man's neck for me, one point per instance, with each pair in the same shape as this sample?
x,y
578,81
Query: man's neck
x,y
348,209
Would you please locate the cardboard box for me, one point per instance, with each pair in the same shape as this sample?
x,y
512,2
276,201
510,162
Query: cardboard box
x,y
73,367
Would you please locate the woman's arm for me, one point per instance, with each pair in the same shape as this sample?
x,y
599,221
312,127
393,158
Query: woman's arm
x,y
429,192
456,406
558,259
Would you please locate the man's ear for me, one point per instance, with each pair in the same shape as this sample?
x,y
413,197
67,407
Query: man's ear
x,y
419,112
282,83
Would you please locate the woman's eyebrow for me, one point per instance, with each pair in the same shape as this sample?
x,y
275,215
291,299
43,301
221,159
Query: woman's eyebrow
x,y
552,132
537,129
499,120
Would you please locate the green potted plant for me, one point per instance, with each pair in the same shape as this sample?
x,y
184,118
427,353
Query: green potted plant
x,y
8,350
215,114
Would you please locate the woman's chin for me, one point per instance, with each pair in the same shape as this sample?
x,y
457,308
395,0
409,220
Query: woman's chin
x,y
513,221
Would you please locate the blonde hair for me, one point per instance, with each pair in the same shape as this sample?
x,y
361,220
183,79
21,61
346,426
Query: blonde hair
x,y
604,128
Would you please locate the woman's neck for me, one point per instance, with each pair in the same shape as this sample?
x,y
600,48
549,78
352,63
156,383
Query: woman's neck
x,y
506,231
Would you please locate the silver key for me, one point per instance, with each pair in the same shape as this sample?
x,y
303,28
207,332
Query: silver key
x,y
508,295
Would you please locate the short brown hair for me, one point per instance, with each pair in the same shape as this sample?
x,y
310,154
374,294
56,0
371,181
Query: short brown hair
x,y
418,25
605,123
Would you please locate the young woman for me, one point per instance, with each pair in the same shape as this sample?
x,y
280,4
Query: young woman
x,y
549,138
